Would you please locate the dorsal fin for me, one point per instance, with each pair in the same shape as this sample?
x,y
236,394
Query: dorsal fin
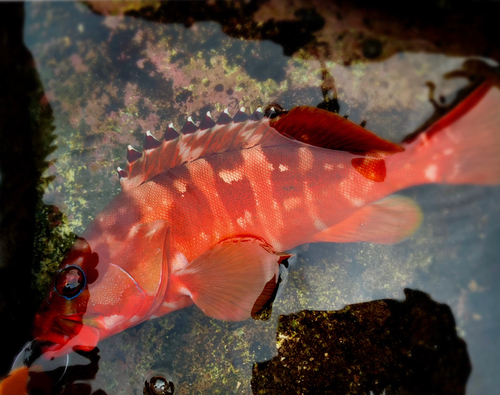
x,y
303,124
326,129
197,144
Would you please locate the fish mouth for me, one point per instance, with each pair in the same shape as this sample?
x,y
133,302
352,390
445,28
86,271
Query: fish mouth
x,y
65,334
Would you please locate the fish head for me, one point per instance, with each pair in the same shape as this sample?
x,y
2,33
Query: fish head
x,y
60,317
104,285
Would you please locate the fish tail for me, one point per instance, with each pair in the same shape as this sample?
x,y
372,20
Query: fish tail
x,y
463,147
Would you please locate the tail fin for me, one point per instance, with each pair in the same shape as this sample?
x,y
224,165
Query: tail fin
x,y
463,147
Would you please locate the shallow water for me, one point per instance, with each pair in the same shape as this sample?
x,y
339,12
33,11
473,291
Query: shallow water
x,y
109,79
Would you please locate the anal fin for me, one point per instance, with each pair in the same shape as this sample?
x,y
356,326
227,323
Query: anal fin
x,y
386,221
227,281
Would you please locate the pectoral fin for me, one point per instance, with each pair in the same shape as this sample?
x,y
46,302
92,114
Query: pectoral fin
x,y
227,281
387,221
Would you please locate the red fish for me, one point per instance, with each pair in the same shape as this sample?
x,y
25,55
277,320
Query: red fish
x,y
205,218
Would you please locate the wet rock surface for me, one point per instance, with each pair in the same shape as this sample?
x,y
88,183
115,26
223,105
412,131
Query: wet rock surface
x,y
341,31
384,346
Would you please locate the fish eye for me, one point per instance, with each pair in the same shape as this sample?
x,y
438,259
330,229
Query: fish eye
x,y
70,282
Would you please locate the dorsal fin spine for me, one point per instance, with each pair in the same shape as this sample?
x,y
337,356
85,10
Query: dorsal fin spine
x,y
170,133
150,142
189,127
224,118
240,116
208,122
132,154
121,173
257,115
